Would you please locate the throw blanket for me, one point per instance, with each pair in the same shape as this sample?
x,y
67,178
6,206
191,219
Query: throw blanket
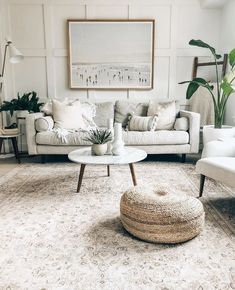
x,y
201,102
62,133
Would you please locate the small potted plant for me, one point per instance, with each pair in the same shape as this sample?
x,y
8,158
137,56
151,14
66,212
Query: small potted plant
x,y
99,139
23,105
224,89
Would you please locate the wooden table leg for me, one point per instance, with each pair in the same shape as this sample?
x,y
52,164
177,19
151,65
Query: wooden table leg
x,y
1,142
131,165
108,170
82,169
15,147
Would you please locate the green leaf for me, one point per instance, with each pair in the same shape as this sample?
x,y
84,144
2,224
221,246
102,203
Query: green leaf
x,y
200,43
231,58
192,88
227,88
194,85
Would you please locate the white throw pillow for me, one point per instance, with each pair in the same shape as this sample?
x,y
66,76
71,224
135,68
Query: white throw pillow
x,y
166,113
67,116
47,107
139,123
181,124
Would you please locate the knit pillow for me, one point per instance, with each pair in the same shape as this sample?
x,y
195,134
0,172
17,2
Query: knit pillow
x,y
138,123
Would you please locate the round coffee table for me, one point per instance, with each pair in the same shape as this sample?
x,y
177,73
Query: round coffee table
x,y
84,157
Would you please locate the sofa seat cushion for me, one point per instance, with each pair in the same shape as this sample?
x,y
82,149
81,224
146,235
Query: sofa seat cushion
x,y
155,137
50,138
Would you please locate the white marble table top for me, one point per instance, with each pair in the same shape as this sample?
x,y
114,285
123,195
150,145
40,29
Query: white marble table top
x,y
84,156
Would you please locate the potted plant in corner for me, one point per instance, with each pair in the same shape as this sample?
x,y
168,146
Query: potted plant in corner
x,y
99,139
22,105
224,89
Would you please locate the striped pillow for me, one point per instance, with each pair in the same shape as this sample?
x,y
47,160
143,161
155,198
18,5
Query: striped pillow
x,y
139,123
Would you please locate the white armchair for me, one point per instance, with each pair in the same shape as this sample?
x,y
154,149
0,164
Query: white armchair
x,y
218,162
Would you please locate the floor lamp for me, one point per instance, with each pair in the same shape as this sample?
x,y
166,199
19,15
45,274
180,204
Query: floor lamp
x,y
15,56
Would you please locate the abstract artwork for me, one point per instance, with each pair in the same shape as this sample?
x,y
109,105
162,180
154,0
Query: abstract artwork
x,y
111,54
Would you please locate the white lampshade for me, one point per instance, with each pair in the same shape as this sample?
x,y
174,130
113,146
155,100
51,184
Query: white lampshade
x,y
15,55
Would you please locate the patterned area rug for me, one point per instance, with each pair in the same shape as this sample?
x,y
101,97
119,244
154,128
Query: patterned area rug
x,y
53,238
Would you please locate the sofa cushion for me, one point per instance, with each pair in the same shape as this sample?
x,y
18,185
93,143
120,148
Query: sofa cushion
x,y
67,116
166,113
50,138
123,109
44,124
104,111
162,137
181,124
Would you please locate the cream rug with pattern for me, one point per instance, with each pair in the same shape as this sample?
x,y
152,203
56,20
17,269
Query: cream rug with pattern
x,y
53,238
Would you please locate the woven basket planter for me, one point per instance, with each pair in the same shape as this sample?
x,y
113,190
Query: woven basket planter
x,y
155,215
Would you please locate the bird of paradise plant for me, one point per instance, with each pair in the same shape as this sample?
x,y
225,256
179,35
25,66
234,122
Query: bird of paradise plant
x,y
225,88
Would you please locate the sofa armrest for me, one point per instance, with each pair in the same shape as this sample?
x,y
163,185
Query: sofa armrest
x,y
219,149
31,132
194,129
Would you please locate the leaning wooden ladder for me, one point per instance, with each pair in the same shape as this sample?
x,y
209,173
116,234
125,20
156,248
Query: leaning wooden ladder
x,y
223,62
196,64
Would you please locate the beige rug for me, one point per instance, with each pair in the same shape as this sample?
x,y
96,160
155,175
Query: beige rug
x,y
52,238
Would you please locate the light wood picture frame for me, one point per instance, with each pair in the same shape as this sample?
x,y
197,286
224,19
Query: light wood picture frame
x,y
111,54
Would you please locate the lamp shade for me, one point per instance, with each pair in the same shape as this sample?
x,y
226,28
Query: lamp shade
x,y
15,55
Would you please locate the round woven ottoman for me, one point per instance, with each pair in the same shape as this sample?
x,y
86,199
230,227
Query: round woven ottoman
x,y
156,215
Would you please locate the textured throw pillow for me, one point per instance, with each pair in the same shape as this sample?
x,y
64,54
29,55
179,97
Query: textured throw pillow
x,y
123,109
166,113
67,116
47,107
181,124
104,111
44,124
138,123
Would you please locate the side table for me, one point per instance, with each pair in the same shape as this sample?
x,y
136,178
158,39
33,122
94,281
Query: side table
x,y
14,144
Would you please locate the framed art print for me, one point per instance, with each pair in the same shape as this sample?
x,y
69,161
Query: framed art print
x,y
111,54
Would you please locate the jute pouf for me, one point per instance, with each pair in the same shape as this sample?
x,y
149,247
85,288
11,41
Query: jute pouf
x,y
157,215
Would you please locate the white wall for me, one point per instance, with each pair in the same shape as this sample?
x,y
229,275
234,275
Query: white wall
x,y
227,44
38,29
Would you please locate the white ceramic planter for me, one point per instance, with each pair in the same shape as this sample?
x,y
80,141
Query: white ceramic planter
x,y
99,149
211,134
22,113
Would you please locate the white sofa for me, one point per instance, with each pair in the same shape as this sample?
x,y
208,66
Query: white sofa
x,y
218,162
153,142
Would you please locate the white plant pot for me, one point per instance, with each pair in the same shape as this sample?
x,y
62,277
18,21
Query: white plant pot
x,y
99,149
210,133
21,113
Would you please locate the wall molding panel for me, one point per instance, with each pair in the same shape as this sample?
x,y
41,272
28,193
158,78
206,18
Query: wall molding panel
x,y
42,39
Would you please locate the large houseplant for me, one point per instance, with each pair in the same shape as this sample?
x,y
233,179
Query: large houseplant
x,y
27,102
224,89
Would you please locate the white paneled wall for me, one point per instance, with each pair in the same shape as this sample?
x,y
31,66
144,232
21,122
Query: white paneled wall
x,y
38,28
227,44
